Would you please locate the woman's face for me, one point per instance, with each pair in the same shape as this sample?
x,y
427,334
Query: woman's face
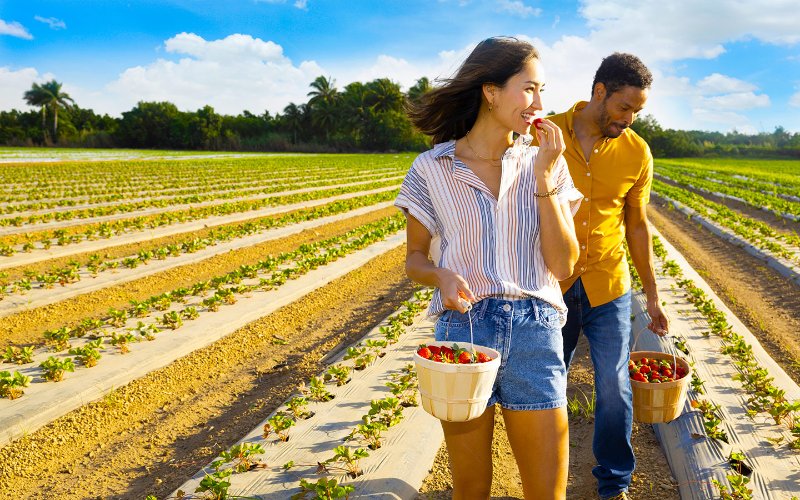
x,y
515,104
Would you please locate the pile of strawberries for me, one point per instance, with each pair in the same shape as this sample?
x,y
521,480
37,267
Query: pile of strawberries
x,y
455,355
654,371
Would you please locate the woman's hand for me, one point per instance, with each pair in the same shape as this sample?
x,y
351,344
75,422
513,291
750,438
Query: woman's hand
x,y
455,291
551,147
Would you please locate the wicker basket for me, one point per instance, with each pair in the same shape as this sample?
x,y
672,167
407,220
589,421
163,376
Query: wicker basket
x,y
659,403
454,392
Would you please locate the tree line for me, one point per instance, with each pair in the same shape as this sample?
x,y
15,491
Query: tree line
x,y
360,117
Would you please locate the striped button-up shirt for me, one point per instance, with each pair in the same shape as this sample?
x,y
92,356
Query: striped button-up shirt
x,y
494,244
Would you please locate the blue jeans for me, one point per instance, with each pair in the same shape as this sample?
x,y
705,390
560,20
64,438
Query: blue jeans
x,y
608,329
527,333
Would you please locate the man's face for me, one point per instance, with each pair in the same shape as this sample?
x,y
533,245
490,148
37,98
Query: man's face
x,y
619,110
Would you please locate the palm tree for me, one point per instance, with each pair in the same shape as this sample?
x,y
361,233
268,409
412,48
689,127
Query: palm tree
x,y
49,94
324,90
421,87
293,117
384,95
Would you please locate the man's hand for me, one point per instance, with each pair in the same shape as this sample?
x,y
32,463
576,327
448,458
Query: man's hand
x,y
659,324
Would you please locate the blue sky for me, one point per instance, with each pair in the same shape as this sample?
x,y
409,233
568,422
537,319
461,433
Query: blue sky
x,y
718,65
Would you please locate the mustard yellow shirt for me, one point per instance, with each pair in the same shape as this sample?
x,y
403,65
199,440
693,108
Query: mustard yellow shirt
x,y
618,172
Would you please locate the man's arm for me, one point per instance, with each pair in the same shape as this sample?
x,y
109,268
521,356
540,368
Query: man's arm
x,y
640,244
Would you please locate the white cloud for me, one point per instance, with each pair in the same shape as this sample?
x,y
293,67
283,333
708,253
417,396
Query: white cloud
x,y
14,29
794,101
54,23
14,84
716,83
518,8
738,100
725,120
232,74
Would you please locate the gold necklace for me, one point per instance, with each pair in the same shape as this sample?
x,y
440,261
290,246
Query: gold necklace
x,y
495,160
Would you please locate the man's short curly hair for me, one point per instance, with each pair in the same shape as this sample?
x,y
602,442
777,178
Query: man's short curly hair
x,y
619,70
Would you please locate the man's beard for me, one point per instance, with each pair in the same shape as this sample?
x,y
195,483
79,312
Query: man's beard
x,y
606,125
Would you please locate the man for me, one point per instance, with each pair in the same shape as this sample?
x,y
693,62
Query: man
x,y
613,167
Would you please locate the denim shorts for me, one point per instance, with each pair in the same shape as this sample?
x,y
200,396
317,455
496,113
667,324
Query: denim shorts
x,y
527,333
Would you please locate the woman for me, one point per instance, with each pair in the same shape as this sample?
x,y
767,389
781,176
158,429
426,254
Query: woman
x,y
502,214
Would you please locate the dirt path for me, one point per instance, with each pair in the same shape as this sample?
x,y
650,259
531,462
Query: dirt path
x,y
152,434
765,301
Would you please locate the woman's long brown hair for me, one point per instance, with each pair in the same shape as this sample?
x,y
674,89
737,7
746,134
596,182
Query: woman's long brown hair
x,y
449,111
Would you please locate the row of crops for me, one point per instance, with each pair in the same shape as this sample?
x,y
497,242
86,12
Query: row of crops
x,y
731,195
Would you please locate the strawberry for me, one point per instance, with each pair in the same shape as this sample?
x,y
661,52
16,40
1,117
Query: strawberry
x,y
425,352
434,349
464,358
639,377
537,122
483,357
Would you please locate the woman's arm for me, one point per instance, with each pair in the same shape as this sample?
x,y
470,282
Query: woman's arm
x,y
556,228
420,269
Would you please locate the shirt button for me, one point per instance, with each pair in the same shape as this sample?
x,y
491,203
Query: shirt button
x,y
584,223
506,307
586,199
583,247
588,174
583,268
596,150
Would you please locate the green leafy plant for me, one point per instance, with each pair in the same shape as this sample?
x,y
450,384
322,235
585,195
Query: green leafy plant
x,y
316,390
346,459
54,368
11,385
323,489
339,373
279,424
89,354
19,355
241,456
122,341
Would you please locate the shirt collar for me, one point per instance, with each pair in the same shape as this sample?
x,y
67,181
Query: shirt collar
x,y
570,120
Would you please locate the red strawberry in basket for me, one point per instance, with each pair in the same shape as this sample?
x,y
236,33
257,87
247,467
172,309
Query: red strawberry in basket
x,y
447,354
425,352
464,358
483,357
434,349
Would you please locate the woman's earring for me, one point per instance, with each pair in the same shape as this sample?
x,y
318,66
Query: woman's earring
x,y
490,107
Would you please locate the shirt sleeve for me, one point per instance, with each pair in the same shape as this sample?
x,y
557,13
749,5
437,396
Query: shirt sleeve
x,y
567,192
415,199
639,194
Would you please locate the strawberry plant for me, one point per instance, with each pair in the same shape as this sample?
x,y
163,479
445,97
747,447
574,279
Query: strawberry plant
x,y
11,385
241,456
59,338
279,424
348,458
172,320
89,354
122,340
368,433
19,355
117,317
147,331
298,407
190,313
324,489
54,368
386,410
339,373
316,390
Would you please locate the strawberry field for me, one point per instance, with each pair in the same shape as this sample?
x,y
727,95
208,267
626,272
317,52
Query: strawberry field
x,y
204,326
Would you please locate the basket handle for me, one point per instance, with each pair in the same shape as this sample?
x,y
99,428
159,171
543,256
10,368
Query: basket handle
x,y
670,345
468,305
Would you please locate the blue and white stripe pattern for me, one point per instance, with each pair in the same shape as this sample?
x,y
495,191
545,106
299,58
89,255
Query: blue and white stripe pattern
x,y
494,244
